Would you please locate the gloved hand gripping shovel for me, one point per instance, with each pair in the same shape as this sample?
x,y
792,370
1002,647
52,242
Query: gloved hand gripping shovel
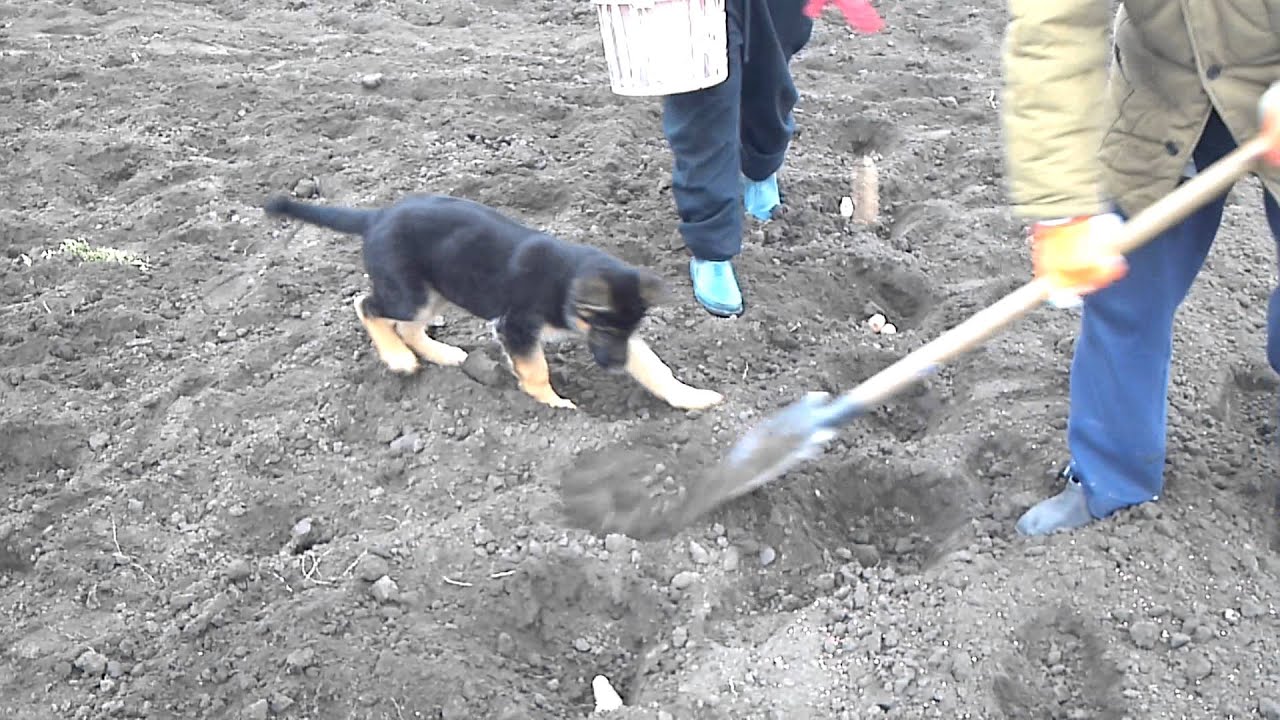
x,y
605,502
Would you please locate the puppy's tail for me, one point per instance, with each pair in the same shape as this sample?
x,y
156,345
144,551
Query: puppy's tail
x,y
347,220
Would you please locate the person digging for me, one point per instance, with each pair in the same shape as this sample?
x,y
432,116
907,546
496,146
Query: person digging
x,y
1086,146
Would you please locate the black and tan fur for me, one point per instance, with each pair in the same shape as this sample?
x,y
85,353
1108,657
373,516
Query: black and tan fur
x,y
427,252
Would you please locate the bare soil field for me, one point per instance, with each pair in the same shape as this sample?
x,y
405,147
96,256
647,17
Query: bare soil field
x,y
218,504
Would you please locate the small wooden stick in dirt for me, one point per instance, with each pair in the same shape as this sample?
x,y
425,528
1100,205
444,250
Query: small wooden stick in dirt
x,y
866,191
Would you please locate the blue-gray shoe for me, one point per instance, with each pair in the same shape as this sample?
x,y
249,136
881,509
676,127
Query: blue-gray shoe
x,y
1067,510
716,287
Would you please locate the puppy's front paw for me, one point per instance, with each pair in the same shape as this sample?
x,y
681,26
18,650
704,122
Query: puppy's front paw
x,y
695,399
401,361
547,396
451,356
559,402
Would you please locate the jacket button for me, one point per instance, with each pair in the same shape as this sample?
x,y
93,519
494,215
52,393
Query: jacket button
x,y
1213,71
1171,147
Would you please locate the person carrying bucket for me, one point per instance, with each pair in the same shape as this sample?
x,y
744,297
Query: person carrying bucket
x,y
728,141
1082,152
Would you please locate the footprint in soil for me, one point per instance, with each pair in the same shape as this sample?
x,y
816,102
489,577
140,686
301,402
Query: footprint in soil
x,y
35,448
577,616
860,134
15,555
852,294
1060,671
904,508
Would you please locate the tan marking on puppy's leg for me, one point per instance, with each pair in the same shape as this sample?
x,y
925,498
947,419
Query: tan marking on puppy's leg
x,y
648,369
535,378
432,315
415,336
390,348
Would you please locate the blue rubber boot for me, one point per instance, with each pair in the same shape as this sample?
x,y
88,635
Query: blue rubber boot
x,y
716,287
1068,510
760,198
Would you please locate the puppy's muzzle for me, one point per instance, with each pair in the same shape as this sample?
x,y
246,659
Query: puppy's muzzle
x,y
610,358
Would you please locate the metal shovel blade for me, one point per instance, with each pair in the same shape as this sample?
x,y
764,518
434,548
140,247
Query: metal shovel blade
x,y
797,433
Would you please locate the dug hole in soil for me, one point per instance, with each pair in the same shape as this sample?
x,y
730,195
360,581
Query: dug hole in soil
x,y
218,504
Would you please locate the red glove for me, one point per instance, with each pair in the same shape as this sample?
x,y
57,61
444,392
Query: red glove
x,y
858,13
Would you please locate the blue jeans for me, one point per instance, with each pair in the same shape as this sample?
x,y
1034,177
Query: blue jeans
x,y
1120,373
743,126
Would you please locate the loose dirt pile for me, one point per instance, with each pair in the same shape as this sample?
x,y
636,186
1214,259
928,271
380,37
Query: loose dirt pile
x,y
219,505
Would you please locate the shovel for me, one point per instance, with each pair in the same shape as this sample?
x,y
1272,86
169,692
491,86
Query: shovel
x,y
608,499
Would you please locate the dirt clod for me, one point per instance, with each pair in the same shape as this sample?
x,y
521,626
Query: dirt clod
x,y
767,556
91,663
1144,634
684,579
300,659
371,567
731,559
306,188
698,553
238,570
483,369
616,543
868,555
1198,666
385,590
256,710
679,637
280,704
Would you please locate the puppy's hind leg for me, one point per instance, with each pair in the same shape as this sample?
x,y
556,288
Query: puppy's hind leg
x,y
391,349
428,348
647,368
415,336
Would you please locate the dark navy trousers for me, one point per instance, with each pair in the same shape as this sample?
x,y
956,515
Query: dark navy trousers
x,y
742,126
1120,372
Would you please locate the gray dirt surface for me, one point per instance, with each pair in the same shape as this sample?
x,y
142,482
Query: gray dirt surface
x,y
217,504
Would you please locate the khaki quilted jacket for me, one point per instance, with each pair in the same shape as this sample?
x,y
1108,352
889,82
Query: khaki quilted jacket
x,y
1079,133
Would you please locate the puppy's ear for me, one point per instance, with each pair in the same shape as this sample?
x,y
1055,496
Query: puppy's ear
x,y
592,293
651,288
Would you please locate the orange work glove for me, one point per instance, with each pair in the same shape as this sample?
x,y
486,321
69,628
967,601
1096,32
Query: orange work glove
x,y
1074,255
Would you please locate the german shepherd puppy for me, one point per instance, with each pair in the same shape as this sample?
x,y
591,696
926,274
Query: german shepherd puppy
x,y
426,252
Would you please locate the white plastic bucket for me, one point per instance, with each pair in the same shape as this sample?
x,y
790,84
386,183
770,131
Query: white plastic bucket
x,y
664,47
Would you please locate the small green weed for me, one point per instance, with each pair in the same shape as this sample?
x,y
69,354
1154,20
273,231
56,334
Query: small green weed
x,y
83,251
